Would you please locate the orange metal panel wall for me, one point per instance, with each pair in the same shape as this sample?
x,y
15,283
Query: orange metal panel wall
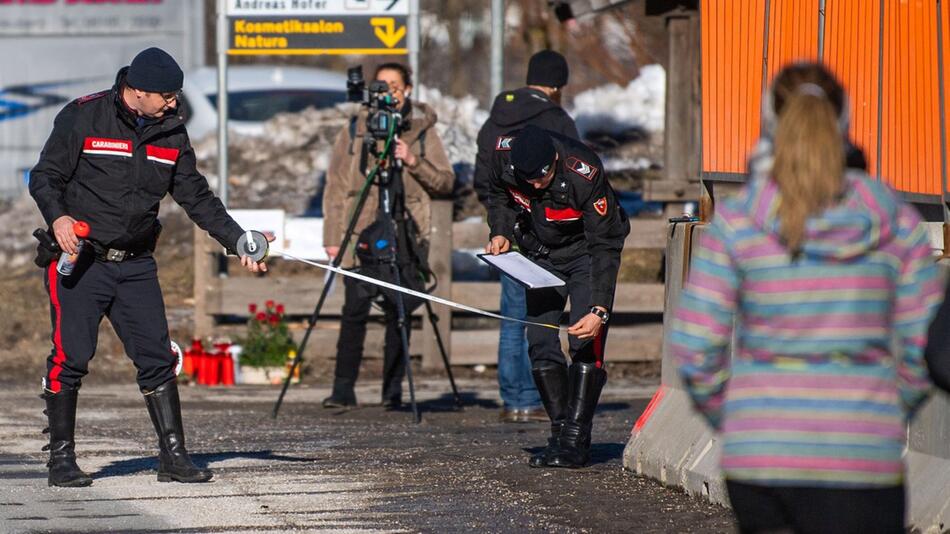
x,y
909,128
910,134
793,33
852,41
733,32
945,25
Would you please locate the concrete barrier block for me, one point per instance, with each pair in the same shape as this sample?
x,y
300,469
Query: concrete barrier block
x,y
928,479
673,445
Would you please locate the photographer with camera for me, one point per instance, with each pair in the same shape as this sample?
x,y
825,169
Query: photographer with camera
x,y
426,172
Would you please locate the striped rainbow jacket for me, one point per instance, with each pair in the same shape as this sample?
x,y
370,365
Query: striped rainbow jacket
x,y
813,395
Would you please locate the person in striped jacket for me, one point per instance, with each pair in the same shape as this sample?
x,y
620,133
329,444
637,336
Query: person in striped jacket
x,y
818,268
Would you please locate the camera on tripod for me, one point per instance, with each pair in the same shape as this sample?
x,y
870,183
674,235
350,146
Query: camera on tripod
x,y
384,118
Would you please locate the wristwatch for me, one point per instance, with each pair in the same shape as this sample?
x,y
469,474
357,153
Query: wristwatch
x,y
604,316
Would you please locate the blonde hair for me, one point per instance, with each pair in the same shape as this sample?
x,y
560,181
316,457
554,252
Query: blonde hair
x,y
809,147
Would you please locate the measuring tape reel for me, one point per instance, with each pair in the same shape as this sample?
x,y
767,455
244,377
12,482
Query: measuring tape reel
x,y
252,244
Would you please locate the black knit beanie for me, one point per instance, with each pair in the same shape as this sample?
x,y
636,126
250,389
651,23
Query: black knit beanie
x,y
531,152
155,71
547,68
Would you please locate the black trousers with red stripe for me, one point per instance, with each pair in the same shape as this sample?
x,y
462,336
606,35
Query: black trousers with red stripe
x,y
128,294
547,306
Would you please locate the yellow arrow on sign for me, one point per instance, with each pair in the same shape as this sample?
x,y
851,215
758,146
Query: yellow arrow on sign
x,y
385,29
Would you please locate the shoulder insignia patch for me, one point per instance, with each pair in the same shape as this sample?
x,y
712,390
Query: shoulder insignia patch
x,y
88,98
582,168
600,206
510,97
504,142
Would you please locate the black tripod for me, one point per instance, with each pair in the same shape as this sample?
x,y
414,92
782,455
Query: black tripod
x,y
393,214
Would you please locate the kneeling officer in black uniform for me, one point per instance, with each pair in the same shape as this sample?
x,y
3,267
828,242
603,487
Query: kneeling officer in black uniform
x,y
549,193
110,159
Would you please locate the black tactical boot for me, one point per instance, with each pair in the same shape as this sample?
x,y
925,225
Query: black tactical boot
x,y
551,379
586,381
61,413
164,407
342,396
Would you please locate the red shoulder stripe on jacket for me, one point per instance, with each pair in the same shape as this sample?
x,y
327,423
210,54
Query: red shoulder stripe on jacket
x,y
88,98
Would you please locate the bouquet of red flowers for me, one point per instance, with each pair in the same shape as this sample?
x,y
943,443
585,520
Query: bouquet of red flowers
x,y
268,340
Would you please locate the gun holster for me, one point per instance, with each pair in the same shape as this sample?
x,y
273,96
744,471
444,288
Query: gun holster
x,y
528,242
47,251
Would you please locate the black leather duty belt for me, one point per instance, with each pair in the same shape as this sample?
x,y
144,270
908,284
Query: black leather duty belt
x,y
117,256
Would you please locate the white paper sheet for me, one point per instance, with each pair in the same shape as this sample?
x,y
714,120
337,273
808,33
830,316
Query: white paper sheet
x,y
522,269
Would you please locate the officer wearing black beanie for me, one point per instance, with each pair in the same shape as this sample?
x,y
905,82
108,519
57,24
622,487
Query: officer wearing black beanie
x,y
155,71
110,159
538,103
550,196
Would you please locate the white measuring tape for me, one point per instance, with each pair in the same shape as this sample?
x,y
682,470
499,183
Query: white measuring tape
x,y
418,294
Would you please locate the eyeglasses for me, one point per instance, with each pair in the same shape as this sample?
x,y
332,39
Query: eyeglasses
x,y
168,97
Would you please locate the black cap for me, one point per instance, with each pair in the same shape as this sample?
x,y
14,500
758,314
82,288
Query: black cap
x,y
532,152
155,71
548,69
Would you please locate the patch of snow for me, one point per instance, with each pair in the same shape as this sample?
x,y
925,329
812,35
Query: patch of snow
x,y
459,122
614,109
433,28
612,164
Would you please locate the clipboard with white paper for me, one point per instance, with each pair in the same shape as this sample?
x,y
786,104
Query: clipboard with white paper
x,y
522,270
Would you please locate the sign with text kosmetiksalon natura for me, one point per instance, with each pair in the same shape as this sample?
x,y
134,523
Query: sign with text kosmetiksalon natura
x,y
314,27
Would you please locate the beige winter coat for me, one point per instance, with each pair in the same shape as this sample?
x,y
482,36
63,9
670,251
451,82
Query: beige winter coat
x,y
432,176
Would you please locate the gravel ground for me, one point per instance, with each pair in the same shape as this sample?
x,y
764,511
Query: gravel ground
x,y
360,470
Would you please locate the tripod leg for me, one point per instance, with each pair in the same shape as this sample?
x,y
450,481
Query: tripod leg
x,y
336,262
403,325
303,343
403,321
434,320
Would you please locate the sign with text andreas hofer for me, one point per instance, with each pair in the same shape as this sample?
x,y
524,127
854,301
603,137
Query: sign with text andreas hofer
x,y
310,27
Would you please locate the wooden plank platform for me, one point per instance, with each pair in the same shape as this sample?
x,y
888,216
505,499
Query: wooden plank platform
x,y
230,296
644,233
636,343
639,343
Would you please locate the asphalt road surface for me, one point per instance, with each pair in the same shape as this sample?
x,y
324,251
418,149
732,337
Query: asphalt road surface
x,y
360,470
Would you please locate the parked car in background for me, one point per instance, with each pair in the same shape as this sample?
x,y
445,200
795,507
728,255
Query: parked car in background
x,y
256,94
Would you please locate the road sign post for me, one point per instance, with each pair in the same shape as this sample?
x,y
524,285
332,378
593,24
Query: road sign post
x,y
304,27
363,27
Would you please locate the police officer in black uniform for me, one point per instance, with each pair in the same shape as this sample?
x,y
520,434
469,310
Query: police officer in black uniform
x,y
112,156
538,103
553,199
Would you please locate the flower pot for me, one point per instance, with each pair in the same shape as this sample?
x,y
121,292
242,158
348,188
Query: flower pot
x,y
262,375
